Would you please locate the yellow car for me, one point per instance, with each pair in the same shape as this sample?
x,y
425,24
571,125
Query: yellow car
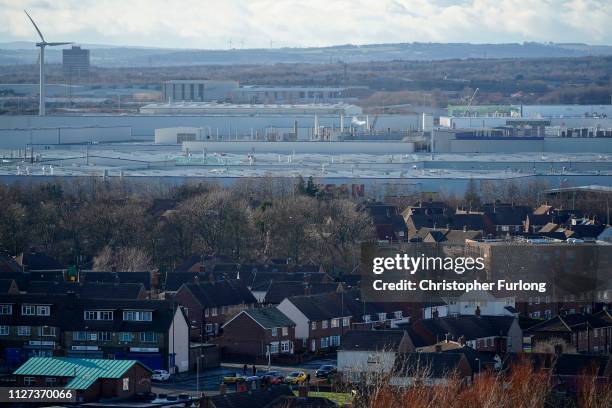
x,y
296,377
233,379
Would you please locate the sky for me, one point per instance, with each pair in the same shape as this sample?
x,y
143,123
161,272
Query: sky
x,y
311,23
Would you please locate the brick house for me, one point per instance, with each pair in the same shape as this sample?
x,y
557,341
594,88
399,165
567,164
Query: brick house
x,y
254,332
320,320
209,305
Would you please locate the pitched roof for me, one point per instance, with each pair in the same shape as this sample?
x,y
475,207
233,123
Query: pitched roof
x,y
269,317
83,371
6,284
579,364
37,261
174,280
223,293
470,327
433,365
260,398
122,277
277,291
322,307
92,290
371,340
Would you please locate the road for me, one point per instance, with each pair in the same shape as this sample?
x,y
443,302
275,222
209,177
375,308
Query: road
x,y
211,379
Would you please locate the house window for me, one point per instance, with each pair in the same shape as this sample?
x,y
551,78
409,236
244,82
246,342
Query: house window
x,y
224,310
29,381
126,336
50,381
126,384
313,326
346,321
98,315
47,331
104,336
548,313
324,324
6,309
398,314
43,310
28,310
79,336
324,342
366,318
148,337
138,316
24,330
274,347
206,312
213,311
285,331
334,341
274,332
382,316
209,328
285,346
4,330
335,323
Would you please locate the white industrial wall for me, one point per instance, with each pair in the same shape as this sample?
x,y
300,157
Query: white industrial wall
x,y
302,147
143,126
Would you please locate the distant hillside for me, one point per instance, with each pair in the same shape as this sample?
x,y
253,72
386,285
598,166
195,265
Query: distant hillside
x,y
108,56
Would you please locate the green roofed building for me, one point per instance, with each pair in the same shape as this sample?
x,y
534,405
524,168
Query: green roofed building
x,y
92,379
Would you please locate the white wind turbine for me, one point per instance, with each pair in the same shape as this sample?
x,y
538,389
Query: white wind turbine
x,y
42,44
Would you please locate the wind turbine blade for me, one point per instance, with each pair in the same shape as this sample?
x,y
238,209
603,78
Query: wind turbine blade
x,y
52,44
35,26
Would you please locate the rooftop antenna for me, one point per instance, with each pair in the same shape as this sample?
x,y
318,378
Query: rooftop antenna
x,y
42,44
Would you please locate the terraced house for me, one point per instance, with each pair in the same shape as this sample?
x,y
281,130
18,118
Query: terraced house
x,y
152,332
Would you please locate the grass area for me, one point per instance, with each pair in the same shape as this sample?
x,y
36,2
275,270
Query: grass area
x,y
339,398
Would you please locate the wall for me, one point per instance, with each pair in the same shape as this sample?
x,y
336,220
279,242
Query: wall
x,y
178,341
302,147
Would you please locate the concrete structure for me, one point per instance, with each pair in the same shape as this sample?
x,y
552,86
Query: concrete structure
x,y
75,62
205,108
178,135
301,147
198,90
295,94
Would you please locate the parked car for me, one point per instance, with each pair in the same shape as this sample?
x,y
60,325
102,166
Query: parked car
x,y
160,375
296,377
234,378
273,377
325,371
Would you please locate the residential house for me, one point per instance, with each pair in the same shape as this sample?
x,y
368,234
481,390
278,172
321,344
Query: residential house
x,y
430,369
388,223
365,353
507,219
210,304
34,260
90,379
255,333
320,320
499,334
588,333
471,304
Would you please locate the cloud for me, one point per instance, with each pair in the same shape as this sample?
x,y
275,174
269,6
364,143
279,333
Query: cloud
x,y
256,23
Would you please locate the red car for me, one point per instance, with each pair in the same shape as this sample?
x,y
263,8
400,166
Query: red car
x,y
273,377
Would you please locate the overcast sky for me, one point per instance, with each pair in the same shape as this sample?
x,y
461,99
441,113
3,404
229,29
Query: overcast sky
x,y
262,23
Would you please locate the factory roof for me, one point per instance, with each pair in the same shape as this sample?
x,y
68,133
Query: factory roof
x,y
225,108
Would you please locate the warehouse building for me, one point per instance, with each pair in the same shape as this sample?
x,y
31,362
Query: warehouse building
x,y
198,90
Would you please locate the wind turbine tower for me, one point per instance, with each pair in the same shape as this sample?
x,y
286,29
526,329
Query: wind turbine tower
x,y
42,44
